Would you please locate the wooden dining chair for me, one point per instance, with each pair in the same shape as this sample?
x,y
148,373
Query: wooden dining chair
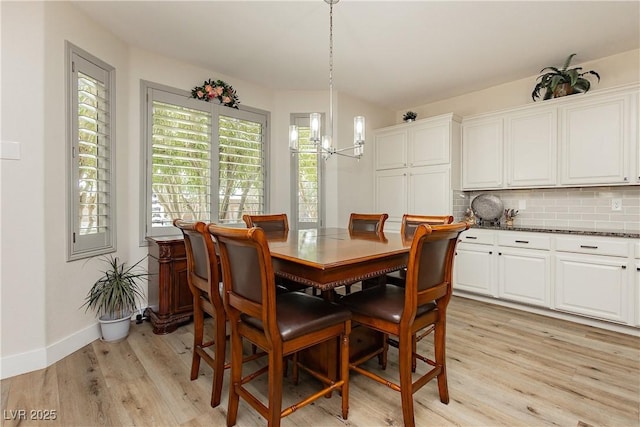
x,y
279,324
204,282
366,223
407,229
403,312
273,224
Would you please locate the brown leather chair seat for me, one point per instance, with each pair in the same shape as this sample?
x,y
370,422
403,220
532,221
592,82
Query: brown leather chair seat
x,y
299,314
382,302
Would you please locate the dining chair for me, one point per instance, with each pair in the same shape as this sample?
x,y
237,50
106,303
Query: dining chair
x,y
281,325
204,282
403,312
407,229
273,224
366,223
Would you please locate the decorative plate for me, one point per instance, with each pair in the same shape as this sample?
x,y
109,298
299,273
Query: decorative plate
x,y
487,207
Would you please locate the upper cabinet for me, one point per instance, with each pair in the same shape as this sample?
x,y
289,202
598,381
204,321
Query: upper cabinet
x,y
596,140
587,139
391,148
482,148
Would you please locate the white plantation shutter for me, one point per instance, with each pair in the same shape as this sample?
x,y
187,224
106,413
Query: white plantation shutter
x,y
306,174
91,112
205,161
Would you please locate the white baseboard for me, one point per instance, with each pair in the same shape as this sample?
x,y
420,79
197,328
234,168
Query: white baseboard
x,y
34,360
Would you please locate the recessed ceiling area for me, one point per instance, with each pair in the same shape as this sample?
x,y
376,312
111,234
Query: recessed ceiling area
x,y
390,53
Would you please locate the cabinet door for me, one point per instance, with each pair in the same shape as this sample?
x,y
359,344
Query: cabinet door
x,y
525,276
430,190
391,149
531,148
391,193
595,141
482,158
474,269
429,144
595,286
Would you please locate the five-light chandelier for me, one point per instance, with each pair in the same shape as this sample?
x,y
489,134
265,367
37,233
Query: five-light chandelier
x,y
325,142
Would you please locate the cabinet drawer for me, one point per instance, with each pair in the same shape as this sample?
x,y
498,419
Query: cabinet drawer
x,y
590,245
524,240
481,237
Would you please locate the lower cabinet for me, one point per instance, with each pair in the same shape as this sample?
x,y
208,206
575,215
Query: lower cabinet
x,y
594,286
588,276
524,275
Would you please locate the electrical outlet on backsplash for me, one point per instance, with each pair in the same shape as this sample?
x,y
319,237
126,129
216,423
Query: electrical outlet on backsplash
x,y
583,208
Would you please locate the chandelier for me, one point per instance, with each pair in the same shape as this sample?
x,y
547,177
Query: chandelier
x,y
325,142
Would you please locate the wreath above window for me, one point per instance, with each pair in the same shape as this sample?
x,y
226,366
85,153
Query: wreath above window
x,y
216,89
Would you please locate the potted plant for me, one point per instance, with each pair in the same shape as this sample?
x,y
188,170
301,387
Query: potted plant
x,y
563,81
409,116
113,297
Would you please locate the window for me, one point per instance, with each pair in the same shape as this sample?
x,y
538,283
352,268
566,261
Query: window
x,y
204,161
91,182
306,166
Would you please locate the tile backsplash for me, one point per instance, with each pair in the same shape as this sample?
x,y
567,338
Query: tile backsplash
x,y
582,208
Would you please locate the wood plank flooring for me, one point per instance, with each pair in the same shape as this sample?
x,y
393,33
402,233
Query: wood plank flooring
x,y
506,368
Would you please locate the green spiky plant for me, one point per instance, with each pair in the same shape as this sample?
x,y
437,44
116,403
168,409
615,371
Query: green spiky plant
x,y
115,293
555,77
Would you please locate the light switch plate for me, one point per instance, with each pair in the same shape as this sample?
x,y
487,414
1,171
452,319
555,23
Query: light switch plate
x,y
9,150
616,204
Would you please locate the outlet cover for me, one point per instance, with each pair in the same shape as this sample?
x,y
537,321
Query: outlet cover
x,y
616,204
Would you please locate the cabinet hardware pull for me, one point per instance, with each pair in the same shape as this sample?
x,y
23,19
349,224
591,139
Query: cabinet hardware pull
x,y
522,241
490,252
588,247
470,237
499,253
624,267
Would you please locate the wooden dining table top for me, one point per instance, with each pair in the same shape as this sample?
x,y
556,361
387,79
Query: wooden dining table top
x,y
330,257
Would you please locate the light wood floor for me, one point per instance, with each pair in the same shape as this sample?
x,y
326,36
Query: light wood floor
x,y
506,368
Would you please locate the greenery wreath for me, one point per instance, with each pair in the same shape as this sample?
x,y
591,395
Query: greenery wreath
x,y
216,89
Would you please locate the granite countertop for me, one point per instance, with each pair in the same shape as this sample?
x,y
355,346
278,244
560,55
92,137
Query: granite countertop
x,y
562,230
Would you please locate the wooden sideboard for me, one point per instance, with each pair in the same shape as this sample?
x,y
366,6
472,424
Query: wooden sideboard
x,y
170,300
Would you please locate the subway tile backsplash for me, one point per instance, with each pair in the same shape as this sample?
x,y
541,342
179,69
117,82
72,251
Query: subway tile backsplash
x,y
582,208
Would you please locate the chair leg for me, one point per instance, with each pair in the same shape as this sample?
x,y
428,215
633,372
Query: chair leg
x,y
440,356
198,336
406,386
382,357
275,387
236,377
414,349
294,369
344,370
219,357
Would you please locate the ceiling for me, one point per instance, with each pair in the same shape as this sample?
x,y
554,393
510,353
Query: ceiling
x,y
395,54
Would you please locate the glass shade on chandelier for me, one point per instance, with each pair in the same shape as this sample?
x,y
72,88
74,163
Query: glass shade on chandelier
x,y
325,142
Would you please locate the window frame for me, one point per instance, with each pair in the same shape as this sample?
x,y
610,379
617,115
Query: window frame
x,y
86,246
184,98
302,120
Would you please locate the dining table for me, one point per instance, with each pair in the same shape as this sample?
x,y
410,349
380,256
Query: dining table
x,y
327,258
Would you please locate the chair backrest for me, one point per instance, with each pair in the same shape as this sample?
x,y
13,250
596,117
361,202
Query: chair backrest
x,y
202,261
247,274
275,222
411,222
430,266
367,222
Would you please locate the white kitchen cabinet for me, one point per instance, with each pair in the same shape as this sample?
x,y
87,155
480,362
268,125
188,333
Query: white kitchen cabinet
x,y
474,265
531,147
596,140
421,178
524,267
592,277
636,282
390,148
482,153
430,190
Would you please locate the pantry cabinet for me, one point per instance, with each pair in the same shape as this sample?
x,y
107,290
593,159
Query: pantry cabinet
x,y
417,168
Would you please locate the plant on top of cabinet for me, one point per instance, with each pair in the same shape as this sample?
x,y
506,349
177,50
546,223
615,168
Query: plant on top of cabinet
x,y
409,116
563,81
